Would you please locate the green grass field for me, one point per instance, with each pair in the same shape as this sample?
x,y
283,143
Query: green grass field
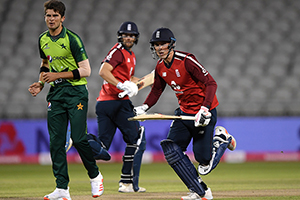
x,y
255,180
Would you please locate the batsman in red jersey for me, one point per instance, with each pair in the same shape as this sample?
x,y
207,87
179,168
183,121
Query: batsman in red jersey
x,y
195,90
117,70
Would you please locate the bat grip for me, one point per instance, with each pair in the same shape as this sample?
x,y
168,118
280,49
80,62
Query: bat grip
x,y
122,94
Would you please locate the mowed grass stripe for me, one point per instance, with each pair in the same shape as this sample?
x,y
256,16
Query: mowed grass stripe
x,y
37,180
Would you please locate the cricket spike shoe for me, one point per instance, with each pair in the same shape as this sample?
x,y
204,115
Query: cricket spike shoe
x,y
141,189
125,187
58,194
128,187
208,194
222,135
193,196
97,186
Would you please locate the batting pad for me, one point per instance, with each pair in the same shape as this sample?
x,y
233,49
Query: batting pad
x,y
220,148
182,165
127,169
137,160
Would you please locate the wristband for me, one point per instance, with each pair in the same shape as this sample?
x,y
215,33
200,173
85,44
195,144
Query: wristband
x,y
44,69
76,74
41,82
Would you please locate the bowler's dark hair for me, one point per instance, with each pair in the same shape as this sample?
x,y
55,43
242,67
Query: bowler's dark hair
x,y
57,6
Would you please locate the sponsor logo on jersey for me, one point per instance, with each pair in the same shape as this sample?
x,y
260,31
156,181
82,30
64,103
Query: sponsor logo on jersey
x,y
59,57
49,58
49,106
128,60
164,74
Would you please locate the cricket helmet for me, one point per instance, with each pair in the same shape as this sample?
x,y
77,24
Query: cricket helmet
x,y
162,35
128,27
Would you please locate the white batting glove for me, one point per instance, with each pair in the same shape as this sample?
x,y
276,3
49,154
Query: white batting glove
x,y
202,117
133,89
120,86
128,86
140,110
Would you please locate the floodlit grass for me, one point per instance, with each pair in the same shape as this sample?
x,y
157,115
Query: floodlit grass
x,y
37,180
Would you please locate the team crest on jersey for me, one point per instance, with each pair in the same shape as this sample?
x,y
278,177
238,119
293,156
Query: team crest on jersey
x,y
128,60
164,74
46,46
49,106
49,58
63,46
177,72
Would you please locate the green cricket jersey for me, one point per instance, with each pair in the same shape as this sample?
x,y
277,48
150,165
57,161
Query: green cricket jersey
x,y
63,52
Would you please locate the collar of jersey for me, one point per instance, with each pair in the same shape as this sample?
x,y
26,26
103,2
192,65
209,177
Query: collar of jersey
x,y
62,34
170,64
123,46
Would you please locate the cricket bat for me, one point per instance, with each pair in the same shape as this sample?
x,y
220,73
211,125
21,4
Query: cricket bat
x,y
157,116
141,83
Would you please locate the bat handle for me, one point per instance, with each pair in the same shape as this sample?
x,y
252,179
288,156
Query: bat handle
x,y
122,94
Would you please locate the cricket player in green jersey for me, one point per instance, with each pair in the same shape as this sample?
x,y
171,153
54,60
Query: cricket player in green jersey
x,y
64,66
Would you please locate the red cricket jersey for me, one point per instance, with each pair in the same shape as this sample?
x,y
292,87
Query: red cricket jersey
x,y
123,62
191,82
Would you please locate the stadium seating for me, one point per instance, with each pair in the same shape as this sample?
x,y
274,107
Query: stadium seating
x,y
249,47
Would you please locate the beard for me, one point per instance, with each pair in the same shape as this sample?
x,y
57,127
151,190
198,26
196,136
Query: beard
x,y
128,45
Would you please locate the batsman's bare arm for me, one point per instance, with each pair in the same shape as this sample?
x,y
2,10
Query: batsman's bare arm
x,y
105,73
